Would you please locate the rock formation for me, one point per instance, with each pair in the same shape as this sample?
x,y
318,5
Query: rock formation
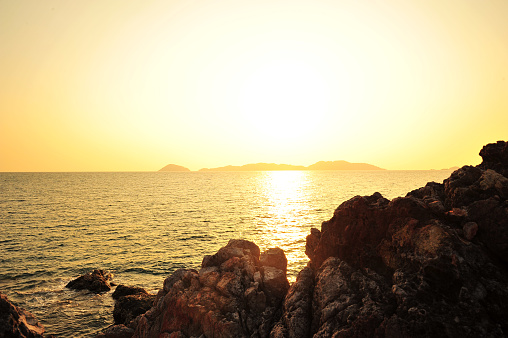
x,y
97,281
17,322
433,263
130,302
234,294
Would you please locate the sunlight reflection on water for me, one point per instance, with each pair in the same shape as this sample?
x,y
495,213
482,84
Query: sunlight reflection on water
x,y
144,226
284,192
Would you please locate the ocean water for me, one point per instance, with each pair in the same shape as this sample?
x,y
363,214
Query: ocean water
x,y
144,225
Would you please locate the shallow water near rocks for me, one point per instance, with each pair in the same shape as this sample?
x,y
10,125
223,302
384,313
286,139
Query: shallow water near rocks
x,y
142,226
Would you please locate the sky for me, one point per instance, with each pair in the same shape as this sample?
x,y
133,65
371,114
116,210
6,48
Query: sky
x,y
106,85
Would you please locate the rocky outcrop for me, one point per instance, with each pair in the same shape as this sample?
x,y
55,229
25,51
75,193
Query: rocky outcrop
x,y
495,157
97,281
433,263
296,319
17,322
130,302
234,294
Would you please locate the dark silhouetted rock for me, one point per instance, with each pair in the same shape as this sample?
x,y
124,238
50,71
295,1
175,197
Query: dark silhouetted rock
x,y
296,320
124,290
97,281
130,306
232,295
433,263
495,157
274,257
17,322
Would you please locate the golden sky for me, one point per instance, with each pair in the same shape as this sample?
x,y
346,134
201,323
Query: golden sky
x,y
104,85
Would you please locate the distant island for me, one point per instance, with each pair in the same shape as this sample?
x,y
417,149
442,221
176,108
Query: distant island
x,y
322,165
174,167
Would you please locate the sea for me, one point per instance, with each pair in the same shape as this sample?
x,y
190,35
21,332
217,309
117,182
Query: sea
x,y
142,226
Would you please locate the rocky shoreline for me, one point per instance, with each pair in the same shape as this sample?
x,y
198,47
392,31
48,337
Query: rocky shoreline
x,y
432,263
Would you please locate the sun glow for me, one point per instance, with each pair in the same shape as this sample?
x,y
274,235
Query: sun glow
x,y
283,99
134,86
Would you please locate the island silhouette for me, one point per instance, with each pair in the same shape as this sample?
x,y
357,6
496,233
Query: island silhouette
x,y
321,165
174,167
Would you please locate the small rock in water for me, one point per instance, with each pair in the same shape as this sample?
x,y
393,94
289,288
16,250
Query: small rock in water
x,y
97,281
124,290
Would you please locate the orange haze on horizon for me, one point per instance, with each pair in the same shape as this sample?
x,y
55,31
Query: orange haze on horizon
x,y
132,85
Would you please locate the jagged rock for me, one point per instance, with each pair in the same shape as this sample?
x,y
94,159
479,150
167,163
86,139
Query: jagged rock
x,y
296,320
432,263
130,306
274,257
17,322
97,281
232,295
130,302
495,157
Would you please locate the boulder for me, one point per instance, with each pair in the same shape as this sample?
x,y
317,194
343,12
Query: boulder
x,y
130,306
495,157
274,257
124,290
17,322
232,295
97,281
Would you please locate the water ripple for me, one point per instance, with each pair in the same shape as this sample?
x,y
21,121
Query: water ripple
x,y
143,226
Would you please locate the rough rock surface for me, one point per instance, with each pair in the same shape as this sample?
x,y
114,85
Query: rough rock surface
x,y
495,157
431,264
17,322
232,295
130,302
97,281
125,290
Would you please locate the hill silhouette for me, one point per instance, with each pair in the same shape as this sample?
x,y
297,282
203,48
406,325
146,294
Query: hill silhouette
x,y
342,165
174,167
257,167
322,165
